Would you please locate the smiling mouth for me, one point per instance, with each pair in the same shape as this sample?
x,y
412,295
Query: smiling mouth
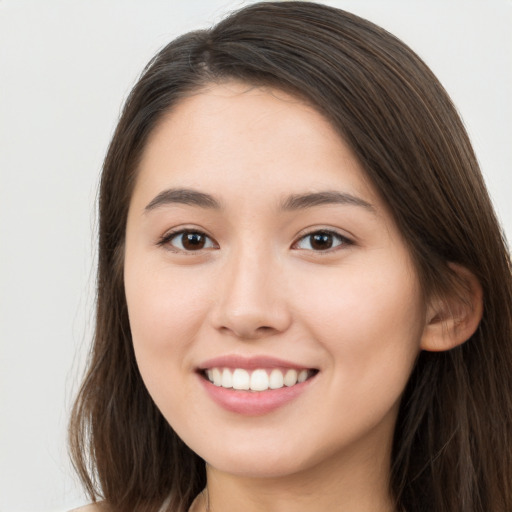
x,y
259,379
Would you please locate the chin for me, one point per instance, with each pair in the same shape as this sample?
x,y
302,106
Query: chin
x,y
258,468
260,459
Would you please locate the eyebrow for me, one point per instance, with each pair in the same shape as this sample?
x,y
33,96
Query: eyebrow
x,y
292,203
302,201
183,196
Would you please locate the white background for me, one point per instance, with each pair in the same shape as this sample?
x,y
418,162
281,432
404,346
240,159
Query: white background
x,y
65,68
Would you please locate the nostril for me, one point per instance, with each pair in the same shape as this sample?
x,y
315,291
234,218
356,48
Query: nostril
x,y
250,312
246,332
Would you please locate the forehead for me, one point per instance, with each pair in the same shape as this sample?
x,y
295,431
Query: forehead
x,y
257,139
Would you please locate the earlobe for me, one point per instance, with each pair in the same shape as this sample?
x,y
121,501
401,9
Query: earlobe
x,y
452,319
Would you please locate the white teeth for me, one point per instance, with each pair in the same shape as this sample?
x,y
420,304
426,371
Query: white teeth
x,y
258,380
276,379
227,379
217,377
241,379
290,379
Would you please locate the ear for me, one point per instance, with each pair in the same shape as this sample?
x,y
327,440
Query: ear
x,y
452,319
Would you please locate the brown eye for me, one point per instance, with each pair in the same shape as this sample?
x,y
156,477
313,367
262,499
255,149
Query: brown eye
x,y
190,241
193,241
321,241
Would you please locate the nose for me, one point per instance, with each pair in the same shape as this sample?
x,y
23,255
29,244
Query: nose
x,y
251,300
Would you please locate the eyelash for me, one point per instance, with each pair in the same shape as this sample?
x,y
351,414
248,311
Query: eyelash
x,y
343,240
167,239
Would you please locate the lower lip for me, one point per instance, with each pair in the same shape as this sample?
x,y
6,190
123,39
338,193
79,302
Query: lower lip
x,y
253,403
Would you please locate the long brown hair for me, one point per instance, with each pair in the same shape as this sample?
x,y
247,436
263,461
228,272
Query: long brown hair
x,y
451,445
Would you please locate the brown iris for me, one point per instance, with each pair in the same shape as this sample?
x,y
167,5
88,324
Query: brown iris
x,y
193,241
321,241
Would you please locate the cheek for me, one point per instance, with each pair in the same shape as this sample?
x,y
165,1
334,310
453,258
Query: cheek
x,y
369,319
380,294
166,310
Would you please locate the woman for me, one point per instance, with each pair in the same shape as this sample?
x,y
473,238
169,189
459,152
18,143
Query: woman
x,y
304,298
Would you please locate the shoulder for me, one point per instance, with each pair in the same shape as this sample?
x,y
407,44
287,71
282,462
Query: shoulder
x,y
95,507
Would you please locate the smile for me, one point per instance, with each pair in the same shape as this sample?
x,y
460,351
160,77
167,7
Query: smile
x,y
255,385
259,379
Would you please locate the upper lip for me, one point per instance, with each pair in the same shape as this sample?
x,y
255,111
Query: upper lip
x,y
250,363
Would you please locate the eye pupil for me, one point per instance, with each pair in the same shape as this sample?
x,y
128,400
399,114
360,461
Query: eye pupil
x,y
321,241
193,241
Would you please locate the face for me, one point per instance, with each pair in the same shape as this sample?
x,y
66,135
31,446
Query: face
x,y
275,311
